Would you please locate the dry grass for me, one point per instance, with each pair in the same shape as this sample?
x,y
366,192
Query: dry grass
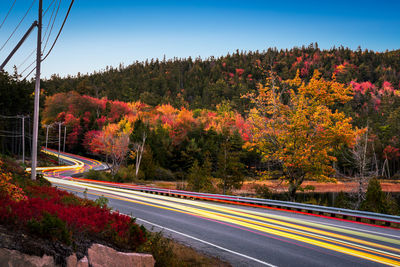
x,y
190,257
277,186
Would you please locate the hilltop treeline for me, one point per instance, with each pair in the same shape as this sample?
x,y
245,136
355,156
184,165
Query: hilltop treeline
x,y
204,83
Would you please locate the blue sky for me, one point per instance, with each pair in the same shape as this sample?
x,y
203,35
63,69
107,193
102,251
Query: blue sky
x,y
102,33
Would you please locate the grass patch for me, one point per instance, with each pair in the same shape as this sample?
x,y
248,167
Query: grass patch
x,y
168,252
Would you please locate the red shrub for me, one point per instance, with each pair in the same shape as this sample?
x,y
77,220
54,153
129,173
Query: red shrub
x,y
80,216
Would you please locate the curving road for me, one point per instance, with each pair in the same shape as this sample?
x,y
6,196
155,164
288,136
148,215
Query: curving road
x,y
243,236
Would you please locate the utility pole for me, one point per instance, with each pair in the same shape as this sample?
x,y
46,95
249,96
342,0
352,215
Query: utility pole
x,y
23,137
65,135
47,134
37,94
59,140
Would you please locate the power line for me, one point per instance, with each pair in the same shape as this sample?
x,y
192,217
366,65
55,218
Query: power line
x,y
59,32
55,16
48,24
44,14
8,117
8,13
33,51
16,28
26,59
28,68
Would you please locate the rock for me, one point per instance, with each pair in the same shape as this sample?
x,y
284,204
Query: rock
x,y
100,256
72,261
15,258
83,262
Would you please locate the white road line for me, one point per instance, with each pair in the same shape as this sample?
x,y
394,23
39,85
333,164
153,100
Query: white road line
x,y
208,243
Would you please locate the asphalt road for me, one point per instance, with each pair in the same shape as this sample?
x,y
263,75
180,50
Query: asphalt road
x,y
246,236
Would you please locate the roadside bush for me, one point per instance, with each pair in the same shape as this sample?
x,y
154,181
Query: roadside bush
x,y
342,201
162,174
126,174
161,249
98,175
51,227
263,191
375,198
7,187
102,202
396,176
199,178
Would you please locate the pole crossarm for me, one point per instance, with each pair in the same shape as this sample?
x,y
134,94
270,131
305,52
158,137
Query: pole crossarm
x,y
28,32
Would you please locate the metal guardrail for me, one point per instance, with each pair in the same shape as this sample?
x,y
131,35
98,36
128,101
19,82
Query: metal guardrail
x,y
359,216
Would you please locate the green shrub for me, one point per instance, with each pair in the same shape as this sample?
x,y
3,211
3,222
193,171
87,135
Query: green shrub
x,y
162,174
126,174
98,175
199,178
101,202
375,198
396,176
70,200
263,191
162,250
342,201
50,226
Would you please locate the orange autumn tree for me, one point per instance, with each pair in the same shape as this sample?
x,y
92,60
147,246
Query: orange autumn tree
x,y
112,142
297,129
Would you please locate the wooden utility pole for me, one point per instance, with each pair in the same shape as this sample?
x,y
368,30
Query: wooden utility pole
x,y
65,135
59,141
47,134
23,137
37,94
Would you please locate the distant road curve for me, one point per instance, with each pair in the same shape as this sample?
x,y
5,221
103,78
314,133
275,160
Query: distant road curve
x,y
241,235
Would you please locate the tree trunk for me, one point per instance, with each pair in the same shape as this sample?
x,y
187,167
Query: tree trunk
x,y
139,153
292,192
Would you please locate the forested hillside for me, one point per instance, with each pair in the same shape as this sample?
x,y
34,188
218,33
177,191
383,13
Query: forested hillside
x,y
204,83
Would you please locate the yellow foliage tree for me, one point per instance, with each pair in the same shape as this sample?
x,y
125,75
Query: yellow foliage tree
x,y
298,128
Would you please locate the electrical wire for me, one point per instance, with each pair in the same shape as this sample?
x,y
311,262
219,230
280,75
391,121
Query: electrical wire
x,y
59,32
8,13
23,62
8,117
16,28
30,65
55,16
29,72
44,14
48,24
52,46
13,136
